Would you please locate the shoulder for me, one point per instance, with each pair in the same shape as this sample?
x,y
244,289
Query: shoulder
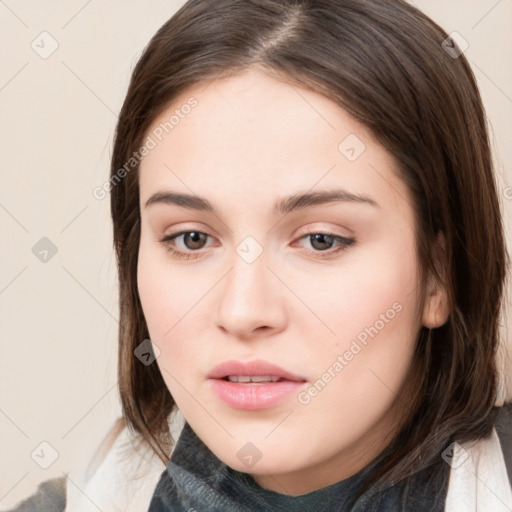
x,y
49,497
121,475
503,427
480,474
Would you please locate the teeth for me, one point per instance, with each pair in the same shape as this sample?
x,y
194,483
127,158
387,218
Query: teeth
x,y
256,379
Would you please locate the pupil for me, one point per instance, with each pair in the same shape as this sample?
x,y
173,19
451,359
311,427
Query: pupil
x,y
196,239
321,237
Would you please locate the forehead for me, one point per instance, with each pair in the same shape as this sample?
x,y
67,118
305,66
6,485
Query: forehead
x,y
250,133
252,109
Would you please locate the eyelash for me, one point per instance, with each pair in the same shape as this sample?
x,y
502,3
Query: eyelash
x,y
168,243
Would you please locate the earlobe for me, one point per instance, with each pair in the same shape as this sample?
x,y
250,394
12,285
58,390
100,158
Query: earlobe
x,y
436,310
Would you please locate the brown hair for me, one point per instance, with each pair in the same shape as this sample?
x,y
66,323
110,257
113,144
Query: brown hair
x,y
382,61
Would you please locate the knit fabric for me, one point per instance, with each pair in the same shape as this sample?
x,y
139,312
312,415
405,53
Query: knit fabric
x,y
196,480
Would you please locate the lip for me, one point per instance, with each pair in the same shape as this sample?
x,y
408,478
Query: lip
x,y
257,368
249,396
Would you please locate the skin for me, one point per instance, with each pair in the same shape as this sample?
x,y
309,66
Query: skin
x,y
251,140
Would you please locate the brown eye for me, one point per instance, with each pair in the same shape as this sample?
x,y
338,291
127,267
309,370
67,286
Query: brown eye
x,y
194,239
324,244
321,241
189,248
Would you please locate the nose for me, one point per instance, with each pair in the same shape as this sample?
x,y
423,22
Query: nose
x,y
251,301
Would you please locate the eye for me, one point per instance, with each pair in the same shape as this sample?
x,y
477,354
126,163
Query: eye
x,y
193,240
323,242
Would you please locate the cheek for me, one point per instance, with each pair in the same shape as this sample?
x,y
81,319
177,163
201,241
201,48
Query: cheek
x,y
371,310
374,283
155,292
167,303
359,371
173,305
163,290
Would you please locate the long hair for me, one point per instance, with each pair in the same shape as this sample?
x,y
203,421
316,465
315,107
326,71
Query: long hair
x,y
391,67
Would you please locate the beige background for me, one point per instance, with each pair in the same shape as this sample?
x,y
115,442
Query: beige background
x,y
59,318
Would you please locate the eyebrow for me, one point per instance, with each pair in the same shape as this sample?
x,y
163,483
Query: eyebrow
x,y
298,201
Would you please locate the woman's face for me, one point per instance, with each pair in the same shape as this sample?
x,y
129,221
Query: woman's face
x,y
320,294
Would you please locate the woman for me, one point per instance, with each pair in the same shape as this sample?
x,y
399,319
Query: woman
x,y
311,264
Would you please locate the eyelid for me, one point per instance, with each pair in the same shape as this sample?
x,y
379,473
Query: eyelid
x,y
343,244
319,228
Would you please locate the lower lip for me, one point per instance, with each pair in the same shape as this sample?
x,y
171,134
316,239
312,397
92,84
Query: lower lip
x,y
254,397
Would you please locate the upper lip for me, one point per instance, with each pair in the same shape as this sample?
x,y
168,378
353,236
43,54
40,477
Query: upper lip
x,y
257,367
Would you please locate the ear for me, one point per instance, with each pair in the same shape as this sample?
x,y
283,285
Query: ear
x,y
435,309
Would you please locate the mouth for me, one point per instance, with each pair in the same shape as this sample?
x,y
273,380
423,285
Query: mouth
x,y
252,379
253,385
255,371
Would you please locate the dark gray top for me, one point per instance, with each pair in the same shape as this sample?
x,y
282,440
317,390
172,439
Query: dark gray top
x,y
196,480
